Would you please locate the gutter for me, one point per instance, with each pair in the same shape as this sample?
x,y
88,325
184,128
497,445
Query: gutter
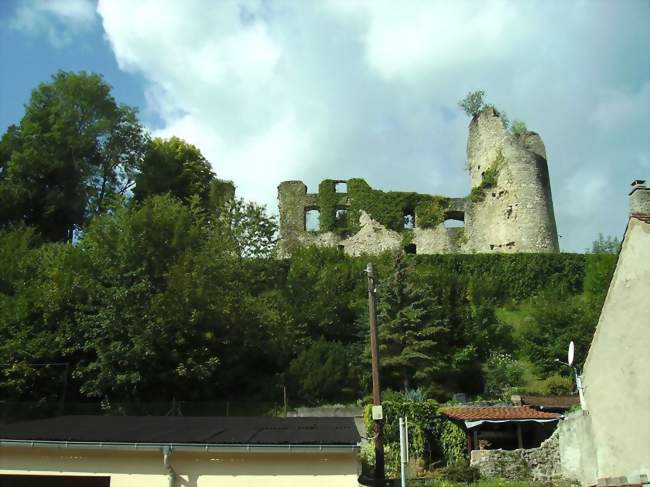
x,y
189,447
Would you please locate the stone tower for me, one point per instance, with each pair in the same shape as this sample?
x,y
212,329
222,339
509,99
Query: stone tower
x,y
515,210
509,209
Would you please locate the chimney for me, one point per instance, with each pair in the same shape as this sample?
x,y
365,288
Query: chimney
x,y
639,197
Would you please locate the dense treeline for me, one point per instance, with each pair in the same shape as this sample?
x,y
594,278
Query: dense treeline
x,y
128,260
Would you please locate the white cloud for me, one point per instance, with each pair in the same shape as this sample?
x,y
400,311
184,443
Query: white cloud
x,y
57,19
307,90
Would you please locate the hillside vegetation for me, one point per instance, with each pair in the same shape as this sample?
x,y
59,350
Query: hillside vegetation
x,y
132,275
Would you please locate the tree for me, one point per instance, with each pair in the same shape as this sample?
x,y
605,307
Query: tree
x,y
173,166
502,373
253,231
605,245
73,152
322,373
409,333
473,103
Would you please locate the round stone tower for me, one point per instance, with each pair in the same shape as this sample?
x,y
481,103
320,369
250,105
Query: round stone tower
x,y
510,208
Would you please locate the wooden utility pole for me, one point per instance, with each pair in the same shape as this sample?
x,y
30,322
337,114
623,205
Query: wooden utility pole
x,y
380,476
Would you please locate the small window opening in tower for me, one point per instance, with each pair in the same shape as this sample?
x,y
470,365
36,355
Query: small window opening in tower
x,y
312,219
341,187
409,218
454,219
411,249
341,216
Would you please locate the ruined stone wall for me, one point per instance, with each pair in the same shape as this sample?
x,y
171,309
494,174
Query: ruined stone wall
x,y
540,464
510,208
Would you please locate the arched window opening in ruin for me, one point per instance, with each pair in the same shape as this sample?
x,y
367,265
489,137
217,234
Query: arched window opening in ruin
x,y
409,218
411,249
454,219
312,219
341,187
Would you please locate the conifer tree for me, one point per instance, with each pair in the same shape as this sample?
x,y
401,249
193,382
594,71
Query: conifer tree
x,y
410,330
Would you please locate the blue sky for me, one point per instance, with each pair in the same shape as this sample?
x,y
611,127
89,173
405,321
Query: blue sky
x,y
30,55
271,90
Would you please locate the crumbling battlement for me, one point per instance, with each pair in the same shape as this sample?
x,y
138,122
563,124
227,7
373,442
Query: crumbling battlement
x,y
509,209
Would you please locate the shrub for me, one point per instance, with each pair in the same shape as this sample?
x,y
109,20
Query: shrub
x,y
473,103
502,372
518,128
459,472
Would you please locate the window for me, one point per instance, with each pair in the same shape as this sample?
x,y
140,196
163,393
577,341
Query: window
x,y
409,218
341,187
411,249
312,219
454,219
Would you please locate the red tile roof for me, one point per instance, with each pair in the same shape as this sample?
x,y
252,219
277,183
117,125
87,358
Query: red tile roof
x,y
477,413
550,401
644,217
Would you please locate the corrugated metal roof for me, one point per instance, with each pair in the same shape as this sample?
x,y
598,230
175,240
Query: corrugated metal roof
x,y
190,430
477,413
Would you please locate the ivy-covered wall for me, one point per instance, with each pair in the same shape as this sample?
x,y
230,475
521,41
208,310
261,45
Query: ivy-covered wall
x,y
386,207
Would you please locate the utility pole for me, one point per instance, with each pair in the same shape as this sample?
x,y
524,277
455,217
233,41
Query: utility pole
x,y
380,476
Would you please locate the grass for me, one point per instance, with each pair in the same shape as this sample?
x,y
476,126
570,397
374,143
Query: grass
x,y
483,483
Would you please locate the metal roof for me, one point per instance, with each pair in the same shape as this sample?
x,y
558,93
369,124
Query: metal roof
x,y
198,431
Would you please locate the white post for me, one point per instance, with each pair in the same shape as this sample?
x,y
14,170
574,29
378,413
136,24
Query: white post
x,y
402,450
406,429
583,404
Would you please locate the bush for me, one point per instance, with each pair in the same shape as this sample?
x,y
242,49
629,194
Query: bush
x,y
459,472
473,103
518,128
502,373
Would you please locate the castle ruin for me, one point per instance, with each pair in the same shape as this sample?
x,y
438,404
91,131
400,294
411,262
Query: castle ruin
x,y
509,209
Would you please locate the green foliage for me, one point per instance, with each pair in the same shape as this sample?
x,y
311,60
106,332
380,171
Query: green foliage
x,y
388,207
518,128
473,103
432,437
423,417
553,385
550,328
489,178
412,334
73,156
322,373
502,374
605,245
327,201
460,472
477,194
452,441
174,167
430,214
598,273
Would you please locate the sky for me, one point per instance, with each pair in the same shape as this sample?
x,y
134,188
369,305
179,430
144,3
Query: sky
x,y
288,89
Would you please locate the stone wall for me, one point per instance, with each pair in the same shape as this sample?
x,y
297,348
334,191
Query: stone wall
x,y
510,211
539,464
